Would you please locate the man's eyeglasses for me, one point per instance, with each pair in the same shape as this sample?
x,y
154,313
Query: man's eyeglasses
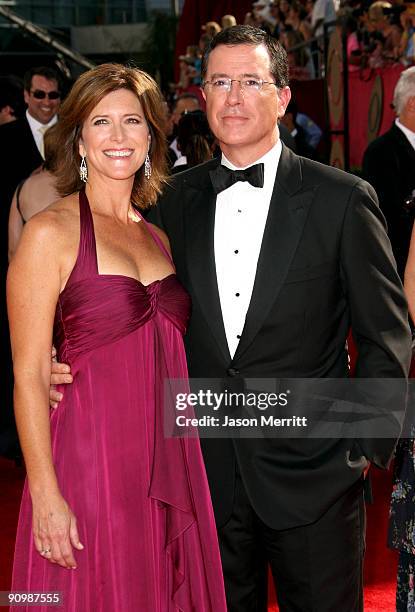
x,y
39,94
247,85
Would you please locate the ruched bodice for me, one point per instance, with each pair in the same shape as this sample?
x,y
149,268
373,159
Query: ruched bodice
x,y
141,500
103,309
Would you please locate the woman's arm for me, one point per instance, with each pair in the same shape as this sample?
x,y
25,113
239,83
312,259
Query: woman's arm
x,y
33,286
15,227
409,282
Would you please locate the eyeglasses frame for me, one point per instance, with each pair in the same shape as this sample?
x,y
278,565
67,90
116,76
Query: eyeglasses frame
x,y
230,81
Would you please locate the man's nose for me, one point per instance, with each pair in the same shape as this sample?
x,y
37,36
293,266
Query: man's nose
x,y
235,94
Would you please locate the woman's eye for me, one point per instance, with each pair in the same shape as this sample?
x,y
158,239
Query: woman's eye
x,y
133,120
100,121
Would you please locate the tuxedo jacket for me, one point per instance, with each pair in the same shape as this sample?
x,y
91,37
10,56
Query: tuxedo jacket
x,y
389,165
325,264
19,156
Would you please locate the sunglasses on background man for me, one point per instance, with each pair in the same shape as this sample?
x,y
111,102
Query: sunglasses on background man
x,y
39,94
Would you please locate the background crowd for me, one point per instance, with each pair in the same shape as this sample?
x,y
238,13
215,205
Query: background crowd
x,y
378,34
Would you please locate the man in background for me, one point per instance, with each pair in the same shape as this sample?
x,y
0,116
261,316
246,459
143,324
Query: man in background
x,y
389,165
22,140
298,133
184,103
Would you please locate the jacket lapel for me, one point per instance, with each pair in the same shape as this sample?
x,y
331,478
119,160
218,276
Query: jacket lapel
x,y
200,254
288,212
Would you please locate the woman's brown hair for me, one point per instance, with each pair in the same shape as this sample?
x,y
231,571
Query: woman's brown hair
x,y
51,143
85,94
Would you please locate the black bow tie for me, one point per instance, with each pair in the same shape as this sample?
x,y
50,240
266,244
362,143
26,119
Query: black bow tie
x,y
223,177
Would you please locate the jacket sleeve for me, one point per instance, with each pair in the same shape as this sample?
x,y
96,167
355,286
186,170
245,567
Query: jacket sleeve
x,y
379,317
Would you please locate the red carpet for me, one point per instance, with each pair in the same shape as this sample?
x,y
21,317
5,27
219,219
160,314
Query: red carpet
x,y
380,568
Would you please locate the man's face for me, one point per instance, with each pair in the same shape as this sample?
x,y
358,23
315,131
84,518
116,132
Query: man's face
x,y
43,109
245,123
184,105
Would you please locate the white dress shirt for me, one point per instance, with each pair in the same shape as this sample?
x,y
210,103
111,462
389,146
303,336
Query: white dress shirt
x,y
173,146
408,133
240,218
180,161
38,130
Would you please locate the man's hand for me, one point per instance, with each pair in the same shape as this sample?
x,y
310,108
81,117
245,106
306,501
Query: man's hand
x,y
60,375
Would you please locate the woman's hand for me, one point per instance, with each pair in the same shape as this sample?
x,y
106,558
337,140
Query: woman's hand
x,y
55,531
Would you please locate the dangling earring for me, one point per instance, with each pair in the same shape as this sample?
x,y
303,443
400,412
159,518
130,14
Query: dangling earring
x,y
147,167
83,170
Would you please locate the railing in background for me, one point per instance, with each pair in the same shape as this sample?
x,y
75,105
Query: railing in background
x,y
356,102
68,13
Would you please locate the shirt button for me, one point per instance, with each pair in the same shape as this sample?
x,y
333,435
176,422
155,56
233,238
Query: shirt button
x,y
237,294
238,336
236,251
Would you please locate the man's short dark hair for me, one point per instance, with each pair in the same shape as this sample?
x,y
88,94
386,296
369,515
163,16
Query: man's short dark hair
x,y
248,35
45,71
11,94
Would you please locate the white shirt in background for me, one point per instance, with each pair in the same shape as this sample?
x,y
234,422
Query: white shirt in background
x,y
38,130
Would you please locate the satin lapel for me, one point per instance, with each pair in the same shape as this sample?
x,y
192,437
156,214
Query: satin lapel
x,y
288,212
200,255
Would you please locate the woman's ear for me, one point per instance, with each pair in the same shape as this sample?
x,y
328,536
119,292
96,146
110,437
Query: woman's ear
x,y
81,148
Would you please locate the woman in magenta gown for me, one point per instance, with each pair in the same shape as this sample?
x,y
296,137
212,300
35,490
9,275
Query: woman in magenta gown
x,y
115,516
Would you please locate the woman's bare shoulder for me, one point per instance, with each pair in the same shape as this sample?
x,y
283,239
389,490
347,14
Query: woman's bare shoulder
x,y
56,221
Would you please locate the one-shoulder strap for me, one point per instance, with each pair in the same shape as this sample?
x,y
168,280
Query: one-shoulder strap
x,y
86,264
156,238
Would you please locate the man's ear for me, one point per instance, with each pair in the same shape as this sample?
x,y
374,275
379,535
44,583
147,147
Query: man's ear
x,y
26,96
284,96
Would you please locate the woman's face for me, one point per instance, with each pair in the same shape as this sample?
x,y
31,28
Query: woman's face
x,y
115,137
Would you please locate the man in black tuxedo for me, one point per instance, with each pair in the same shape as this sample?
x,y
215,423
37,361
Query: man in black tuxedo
x,y
21,152
276,275
277,270
389,165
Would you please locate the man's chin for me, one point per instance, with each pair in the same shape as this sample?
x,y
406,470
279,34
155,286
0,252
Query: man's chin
x,y
46,118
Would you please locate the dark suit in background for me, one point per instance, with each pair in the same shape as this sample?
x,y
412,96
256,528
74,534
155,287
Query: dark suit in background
x,y
389,165
323,239
19,156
